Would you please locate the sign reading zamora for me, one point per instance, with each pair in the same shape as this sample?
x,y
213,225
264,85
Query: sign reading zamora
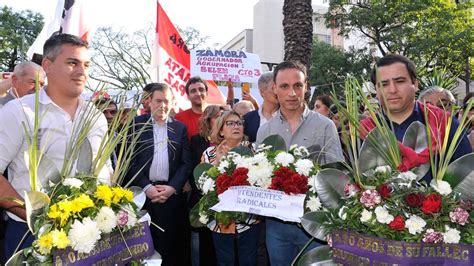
x,y
350,248
111,249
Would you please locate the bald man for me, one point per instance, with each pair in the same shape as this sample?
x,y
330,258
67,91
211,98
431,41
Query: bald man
x,y
23,81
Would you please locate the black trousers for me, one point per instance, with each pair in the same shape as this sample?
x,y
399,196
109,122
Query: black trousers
x,y
165,215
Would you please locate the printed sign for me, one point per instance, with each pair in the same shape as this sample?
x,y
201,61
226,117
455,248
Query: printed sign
x,y
238,66
351,248
111,249
261,201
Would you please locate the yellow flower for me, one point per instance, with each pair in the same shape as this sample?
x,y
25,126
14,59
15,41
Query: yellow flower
x,y
60,239
54,212
65,206
104,193
120,193
45,243
81,202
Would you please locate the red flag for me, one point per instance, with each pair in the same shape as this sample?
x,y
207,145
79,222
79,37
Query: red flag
x,y
71,16
172,60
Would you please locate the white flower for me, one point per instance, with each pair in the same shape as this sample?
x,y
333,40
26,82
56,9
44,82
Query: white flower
x,y
313,203
382,215
415,224
365,216
84,235
342,213
106,219
202,179
451,236
208,185
284,159
408,176
203,218
222,166
260,174
235,157
304,166
383,169
72,182
245,162
312,184
442,187
300,151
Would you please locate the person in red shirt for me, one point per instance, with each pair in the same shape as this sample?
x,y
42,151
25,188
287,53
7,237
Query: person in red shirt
x,y
196,89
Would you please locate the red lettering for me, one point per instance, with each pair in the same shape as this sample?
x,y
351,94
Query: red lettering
x,y
181,73
175,65
168,63
203,69
170,78
182,89
187,77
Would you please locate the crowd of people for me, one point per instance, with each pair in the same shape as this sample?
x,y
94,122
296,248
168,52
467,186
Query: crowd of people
x,y
171,145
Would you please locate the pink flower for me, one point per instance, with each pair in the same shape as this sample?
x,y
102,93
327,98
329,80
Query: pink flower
x,y
329,240
122,217
432,237
370,198
350,190
459,216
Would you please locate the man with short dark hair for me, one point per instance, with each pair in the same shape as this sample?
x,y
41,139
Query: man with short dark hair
x,y
395,79
296,124
66,62
161,164
23,81
196,89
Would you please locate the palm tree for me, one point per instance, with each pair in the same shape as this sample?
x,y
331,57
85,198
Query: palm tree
x,y
298,32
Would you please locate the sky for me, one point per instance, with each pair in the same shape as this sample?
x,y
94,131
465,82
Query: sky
x,y
220,20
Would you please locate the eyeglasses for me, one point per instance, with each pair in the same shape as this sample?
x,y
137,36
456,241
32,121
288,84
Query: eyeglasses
x,y
231,123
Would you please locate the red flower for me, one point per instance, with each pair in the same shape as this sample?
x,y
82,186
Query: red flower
x,y
240,171
431,204
223,182
398,224
289,181
414,200
385,191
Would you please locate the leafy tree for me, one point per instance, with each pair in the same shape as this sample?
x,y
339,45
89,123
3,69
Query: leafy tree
x,y
331,65
432,33
298,31
18,30
123,59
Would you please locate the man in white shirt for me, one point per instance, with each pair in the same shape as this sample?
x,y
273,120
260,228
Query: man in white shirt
x,y
61,111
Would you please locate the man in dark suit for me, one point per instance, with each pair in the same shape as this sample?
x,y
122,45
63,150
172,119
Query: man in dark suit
x,y
254,119
161,165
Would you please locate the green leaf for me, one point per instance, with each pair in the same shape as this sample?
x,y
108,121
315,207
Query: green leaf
x,y
201,168
415,137
84,158
194,217
317,256
242,150
17,259
460,175
315,224
330,185
276,141
370,155
48,171
35,202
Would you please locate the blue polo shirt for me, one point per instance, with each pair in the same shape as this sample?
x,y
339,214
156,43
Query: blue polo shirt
x,y
463,148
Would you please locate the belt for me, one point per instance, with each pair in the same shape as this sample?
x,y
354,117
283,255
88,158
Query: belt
x,y
160,182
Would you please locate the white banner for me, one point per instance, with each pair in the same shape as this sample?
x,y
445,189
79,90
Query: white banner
x,y
223,65
261,201
175,75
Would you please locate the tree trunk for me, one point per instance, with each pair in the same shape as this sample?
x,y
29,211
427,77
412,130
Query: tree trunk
x,y
298,32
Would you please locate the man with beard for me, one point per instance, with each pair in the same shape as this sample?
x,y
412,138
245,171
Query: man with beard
x,y
196,89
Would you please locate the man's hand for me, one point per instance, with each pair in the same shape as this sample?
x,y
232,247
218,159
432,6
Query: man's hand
x,y
250,98
164,192
152,193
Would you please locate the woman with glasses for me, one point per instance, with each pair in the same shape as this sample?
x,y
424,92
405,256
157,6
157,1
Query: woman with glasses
x,y
239,236
202,248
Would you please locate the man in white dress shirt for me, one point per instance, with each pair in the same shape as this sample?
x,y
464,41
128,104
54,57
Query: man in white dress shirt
x,y
61,111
